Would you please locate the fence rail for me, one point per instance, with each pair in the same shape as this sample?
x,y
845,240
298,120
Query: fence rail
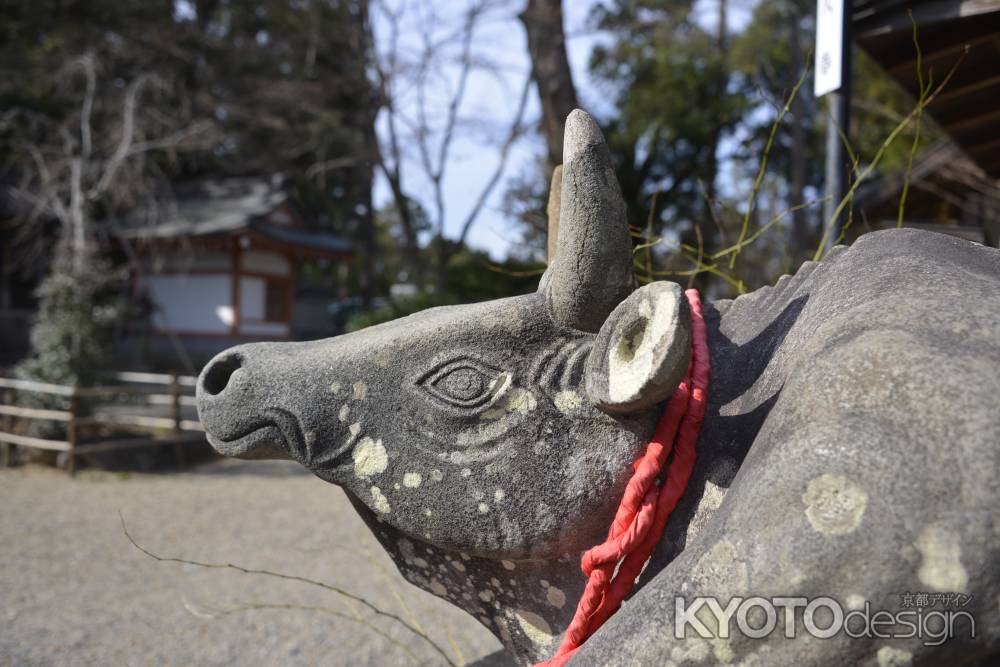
x,y
155,389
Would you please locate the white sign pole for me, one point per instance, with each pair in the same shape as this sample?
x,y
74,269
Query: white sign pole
x,y
829,46
833,79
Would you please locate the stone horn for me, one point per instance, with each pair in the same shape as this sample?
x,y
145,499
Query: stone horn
x,y
592,270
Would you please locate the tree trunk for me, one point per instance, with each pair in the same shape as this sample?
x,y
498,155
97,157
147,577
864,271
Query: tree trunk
x,y
543,23
710,234
366,170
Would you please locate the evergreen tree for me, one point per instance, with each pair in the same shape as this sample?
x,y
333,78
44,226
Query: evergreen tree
x,y
81,304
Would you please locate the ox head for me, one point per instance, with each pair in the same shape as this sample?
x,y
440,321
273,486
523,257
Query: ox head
x,y
504,429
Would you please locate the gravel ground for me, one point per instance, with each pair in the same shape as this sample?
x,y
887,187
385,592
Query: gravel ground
x,y
73,591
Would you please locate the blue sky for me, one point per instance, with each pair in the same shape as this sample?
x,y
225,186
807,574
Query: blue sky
x,y
492,100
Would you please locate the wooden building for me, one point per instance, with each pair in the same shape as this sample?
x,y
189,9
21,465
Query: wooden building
x,y
220,269
955,184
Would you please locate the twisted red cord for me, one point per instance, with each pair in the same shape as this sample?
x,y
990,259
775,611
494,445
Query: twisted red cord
x,y
645,507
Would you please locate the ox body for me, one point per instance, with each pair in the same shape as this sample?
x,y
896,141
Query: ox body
x,y
850,447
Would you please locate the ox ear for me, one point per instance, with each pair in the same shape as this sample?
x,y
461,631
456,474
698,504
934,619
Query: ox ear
x,y
642,351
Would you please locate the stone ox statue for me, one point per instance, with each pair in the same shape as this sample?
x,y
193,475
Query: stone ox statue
x,y
850,448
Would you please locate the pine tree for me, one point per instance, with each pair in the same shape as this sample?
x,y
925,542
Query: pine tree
x,y
80,305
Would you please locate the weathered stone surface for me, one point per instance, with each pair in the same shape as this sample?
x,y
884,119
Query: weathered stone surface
x,y
850,448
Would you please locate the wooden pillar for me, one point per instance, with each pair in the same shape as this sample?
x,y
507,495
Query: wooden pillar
x,y
71,432
234,328
175,415
7,427
290,294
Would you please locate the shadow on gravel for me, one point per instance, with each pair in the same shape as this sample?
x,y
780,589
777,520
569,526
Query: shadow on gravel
x,y
234,467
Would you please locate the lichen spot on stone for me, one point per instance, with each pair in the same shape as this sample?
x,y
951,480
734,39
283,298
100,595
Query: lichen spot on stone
x,y
335,388
534,627
379,502
466,472
941,566
483,508
427,512
354,429
370,458
889,656
499,495
437,475
567,402
519,401
834,504
509,565
555,597
345,411
360,391
381,358
855,602
719,569
437,587
411,480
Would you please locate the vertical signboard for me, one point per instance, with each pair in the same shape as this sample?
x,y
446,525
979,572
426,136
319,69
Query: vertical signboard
x,y
829,46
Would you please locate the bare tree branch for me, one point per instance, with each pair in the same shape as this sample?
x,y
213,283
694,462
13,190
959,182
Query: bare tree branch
x,y
516,130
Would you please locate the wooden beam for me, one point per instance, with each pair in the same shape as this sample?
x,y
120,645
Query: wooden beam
x,y
37,387
154,378
871,22
33,413
929,57
128,420
954,129
118,389
167,399
35,443
951,92
988,147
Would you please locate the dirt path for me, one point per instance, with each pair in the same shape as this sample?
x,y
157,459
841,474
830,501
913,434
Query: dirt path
x,y
73,591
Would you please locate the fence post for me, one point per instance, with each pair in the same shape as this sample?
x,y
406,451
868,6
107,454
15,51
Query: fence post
x,y
175,415
8,427
71,432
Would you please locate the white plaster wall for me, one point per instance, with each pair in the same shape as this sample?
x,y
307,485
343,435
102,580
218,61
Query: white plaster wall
x,y
192,303
251,298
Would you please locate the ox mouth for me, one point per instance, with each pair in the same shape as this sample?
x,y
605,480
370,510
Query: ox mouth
x,y
277,436
265,442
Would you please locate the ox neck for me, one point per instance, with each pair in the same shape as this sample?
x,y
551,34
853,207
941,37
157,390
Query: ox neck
x,y
526,604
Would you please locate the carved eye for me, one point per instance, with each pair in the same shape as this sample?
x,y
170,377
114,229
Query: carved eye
x,y
464,383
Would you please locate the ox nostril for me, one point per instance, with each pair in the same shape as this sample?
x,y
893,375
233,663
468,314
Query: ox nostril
x,y
217,375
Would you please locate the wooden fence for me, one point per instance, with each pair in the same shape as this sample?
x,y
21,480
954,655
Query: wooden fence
x,y
169,393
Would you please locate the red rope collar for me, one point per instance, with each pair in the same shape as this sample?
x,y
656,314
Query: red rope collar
x,y
645,507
